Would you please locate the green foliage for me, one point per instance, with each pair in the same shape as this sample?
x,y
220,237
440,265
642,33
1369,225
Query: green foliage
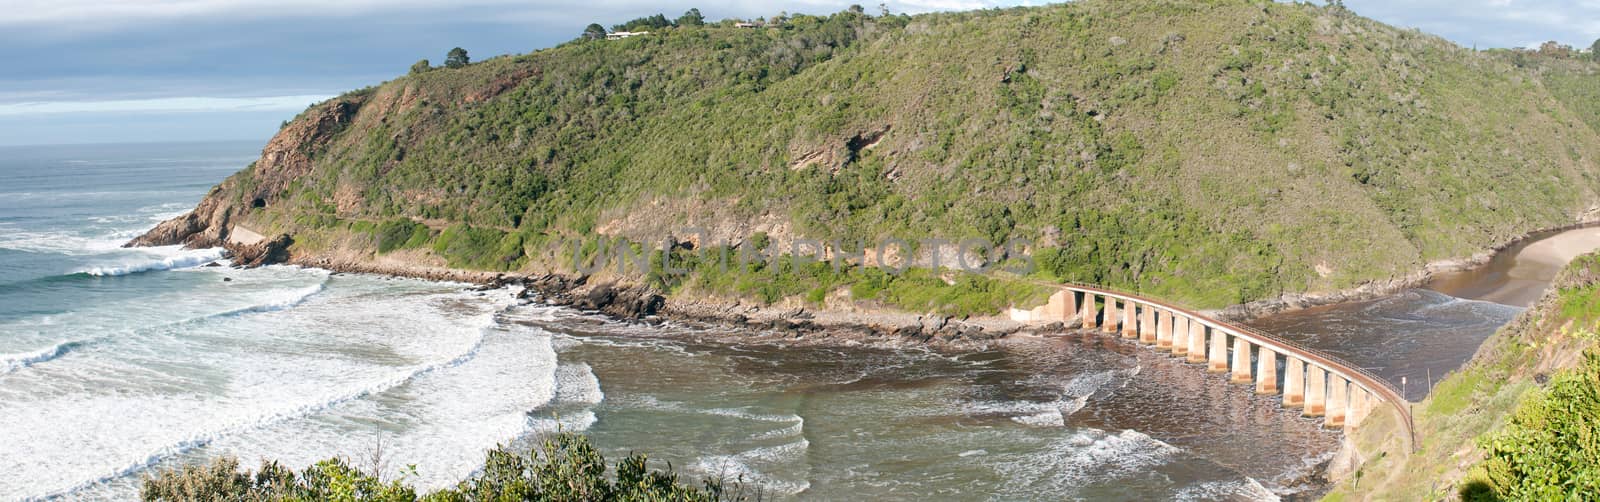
x,y
421,66
565,467
457,58
401,233
333,480
1213,152
691,18
646,23
594,32
1551,447
465,246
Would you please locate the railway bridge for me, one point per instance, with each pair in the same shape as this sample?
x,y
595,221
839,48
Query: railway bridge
x,y
1317,383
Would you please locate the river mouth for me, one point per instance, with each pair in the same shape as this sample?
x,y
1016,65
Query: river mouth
x,y
1079,416
1414,337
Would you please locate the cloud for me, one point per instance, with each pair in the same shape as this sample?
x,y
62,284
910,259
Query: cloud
x,y
163,105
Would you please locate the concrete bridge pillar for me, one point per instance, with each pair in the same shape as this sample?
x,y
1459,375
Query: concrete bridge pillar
x,y
1316,391
1294,382
1338,388
1196,344
1060,306
1109,320
1241,361
1219,352
1180,337
1147,324
1165,330
1130,323
1089,311
1357,411
1266,371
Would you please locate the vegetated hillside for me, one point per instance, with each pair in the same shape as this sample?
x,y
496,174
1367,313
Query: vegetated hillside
x,y
1519,422
1209,151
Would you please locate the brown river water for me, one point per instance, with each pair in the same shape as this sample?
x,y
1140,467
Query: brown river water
x,y
1415,337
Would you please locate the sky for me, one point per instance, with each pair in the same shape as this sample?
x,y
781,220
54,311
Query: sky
x,y
101,71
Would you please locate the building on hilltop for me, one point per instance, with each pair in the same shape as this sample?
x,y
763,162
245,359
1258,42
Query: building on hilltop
x,y
619,35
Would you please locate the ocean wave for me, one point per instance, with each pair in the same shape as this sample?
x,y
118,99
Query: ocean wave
x,y
738,468
14,362
182,259
304,408
62,243
576,383
1245,489
280,301
1087,457
742,413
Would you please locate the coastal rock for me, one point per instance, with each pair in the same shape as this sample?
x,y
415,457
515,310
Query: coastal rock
x,y
619,301
268,252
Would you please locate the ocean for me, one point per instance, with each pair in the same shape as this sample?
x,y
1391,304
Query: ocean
x,y
116,363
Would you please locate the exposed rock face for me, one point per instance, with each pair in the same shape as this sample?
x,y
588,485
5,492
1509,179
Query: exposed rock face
x,y
267,252
623,301
206,226
285,158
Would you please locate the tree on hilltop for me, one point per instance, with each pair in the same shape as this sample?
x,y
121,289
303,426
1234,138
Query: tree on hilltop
x,y
691,18
456,58
421,66
594,31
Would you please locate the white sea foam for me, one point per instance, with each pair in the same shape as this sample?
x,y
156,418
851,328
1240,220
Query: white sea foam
x,y
1086,457
1246,489
261,401
741,467
157,259
576,383
280,300
13,362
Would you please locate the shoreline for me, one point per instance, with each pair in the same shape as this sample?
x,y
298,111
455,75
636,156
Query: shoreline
x,y
625,299
1374,289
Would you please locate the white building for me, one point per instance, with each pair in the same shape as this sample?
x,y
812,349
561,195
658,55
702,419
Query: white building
x,y
619,35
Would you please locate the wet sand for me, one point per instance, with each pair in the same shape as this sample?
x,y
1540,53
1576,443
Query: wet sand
x,y
1415,337
1518,275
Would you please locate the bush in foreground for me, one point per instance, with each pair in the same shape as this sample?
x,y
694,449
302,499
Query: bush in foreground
x,y
565,467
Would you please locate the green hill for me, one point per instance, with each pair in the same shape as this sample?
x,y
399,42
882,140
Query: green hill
x,y
1213,152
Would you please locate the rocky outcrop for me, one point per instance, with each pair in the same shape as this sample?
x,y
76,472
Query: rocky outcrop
x,y
267,252
286,158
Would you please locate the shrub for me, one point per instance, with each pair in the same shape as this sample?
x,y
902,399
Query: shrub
x,y
565,467
401,233
1551,447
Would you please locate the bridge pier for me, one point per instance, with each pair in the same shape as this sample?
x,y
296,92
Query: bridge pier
x,y
1089,311
1266,371
1147,324
1130,324
1197,343
1338,388
1219,352
1109,318
1294,382
1165,329
1316,391
1180,337
1321,385
1360,405
1241,361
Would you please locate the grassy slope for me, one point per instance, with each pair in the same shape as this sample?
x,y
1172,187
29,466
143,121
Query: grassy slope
x,y
1471,404
1211,152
